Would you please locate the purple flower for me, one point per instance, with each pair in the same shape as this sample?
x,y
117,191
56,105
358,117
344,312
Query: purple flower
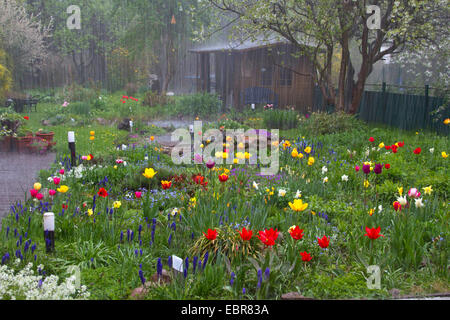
x,y
169,261
141,276
170,239
267,273
5,257
186,264
159,267
243,290
378,168
233,276
194,263
366,168
210,164
205,260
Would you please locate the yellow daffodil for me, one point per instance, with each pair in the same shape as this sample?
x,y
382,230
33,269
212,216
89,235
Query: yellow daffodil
x,y
298,205
193,201
428,190
241,146
149,173
90,212
37,186
225,155
444,154
92,133
235,161
400,191
247,155
366,184
117,204
311,161
63,189
300,155
115,167
307,150
371,212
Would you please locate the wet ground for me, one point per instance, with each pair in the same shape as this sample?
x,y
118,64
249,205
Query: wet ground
x,y
18,173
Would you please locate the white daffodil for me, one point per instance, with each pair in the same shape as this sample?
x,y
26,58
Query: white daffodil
x,y
380,208
174,212
431,150
419,203
344,177
281,192
255,185
324,170
325,180
298,194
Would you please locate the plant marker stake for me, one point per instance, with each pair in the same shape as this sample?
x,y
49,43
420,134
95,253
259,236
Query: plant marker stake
x,y
71,138
49,231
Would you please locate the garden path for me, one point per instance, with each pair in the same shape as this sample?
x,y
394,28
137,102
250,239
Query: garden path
x,y
18,172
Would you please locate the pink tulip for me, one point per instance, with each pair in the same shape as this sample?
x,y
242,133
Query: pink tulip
x,y
413,193
61,171
51,192
56,180
356,168
33,193
39,196
138,194
84,157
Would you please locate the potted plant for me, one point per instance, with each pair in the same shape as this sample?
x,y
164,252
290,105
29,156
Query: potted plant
x,y
10,123
24,139
39,145
45,134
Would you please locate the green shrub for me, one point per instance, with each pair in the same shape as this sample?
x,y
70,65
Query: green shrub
x,y
153,99
79,108
281,119
324,123
200,104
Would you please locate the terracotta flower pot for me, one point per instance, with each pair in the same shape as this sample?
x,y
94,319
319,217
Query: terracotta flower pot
x,y
46,136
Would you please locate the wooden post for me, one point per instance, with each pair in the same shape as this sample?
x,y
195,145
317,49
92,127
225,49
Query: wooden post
x,y
425,111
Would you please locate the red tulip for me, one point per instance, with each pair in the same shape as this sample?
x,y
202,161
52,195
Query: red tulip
x,y
387,147
296,233
268,237
417,151
39,196
223,177
305,256
246,235
373,233
166,184
401,144
394,148
65,206
211,235
26,118
387,166
371,139
397,206
102,193
33,193
324,242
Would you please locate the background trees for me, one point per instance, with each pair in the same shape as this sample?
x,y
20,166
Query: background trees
x,y
320,28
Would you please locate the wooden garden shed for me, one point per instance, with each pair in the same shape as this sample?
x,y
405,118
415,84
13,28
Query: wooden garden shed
x,y
260,72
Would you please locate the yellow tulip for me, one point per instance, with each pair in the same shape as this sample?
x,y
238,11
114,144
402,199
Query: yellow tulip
x,y
294,153
149,173
117,204
381,145
298,205
37,186
308,150
444,155
366,183
63,189
90,212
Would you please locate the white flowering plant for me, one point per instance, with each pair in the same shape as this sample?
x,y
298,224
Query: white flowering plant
x,y
26,285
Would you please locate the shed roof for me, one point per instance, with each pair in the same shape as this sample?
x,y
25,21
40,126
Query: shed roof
x,y
236,46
